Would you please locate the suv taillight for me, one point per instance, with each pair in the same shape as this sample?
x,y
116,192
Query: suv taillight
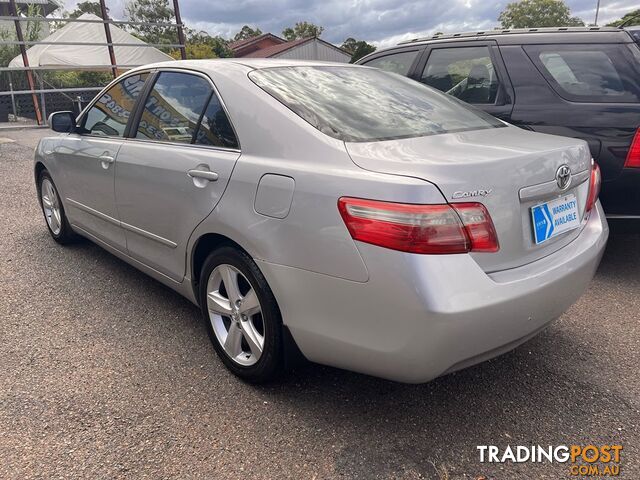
x,y
633,157
428,229
594,186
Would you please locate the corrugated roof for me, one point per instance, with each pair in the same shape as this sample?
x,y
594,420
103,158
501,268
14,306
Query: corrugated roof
x,y
248,41
275,49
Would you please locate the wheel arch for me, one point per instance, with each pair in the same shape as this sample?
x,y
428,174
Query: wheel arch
x,y
209,242
38,168
206,244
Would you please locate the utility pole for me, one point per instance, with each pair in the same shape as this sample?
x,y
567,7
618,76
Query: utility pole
x,y
107,33
176,11
597,12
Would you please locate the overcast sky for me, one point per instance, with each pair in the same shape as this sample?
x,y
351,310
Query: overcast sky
x,y
382,22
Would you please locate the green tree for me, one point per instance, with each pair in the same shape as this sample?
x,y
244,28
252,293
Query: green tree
x,y
357,48
302,30
633,18
152,11
538,13
87,7
202,45
194,52
246,32
31,31
76,79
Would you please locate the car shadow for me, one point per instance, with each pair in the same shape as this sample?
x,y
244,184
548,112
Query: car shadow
x,y
523,397
621,259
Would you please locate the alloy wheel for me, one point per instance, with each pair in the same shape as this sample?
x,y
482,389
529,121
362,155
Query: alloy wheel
x,y
235,315
51,206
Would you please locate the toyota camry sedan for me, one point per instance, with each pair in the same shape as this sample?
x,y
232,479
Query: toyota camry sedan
x,y
349,214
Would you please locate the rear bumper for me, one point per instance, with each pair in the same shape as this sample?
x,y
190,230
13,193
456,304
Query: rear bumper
x,y
421,316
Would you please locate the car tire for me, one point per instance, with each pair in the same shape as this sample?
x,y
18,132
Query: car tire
x,y
53,210
243,320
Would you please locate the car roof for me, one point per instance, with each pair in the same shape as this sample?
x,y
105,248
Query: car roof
x,y
240,64
531,36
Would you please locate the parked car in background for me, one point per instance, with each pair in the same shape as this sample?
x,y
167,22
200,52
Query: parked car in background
x,y
376,224
577,82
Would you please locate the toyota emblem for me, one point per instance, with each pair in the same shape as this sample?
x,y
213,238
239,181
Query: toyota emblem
x,y
563,177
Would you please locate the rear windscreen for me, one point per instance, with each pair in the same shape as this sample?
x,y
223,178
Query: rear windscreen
x,y
359,104
589,73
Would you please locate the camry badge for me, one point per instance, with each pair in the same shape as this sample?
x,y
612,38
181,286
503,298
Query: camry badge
x,y
563,177
481,192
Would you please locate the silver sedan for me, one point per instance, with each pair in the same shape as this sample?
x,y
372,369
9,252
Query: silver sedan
x,y
358,217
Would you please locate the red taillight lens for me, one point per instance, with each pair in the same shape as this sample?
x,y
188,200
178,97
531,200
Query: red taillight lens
x,y
479,226
633,157
594,186
432,229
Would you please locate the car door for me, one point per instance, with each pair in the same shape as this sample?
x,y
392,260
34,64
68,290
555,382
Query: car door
x,y
88,158
173,170
471,71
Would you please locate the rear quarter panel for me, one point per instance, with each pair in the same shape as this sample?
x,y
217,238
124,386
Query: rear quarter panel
x,y
312,236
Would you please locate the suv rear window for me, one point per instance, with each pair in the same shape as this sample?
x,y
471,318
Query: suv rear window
x,y
588,73
360,104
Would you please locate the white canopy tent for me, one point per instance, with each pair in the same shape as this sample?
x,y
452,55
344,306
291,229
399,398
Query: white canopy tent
x,y
66,56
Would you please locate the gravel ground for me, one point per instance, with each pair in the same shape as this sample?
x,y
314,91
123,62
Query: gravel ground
x,y
105,373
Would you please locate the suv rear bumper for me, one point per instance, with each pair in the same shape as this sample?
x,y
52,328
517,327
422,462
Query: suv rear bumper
x,y
621,196
420,316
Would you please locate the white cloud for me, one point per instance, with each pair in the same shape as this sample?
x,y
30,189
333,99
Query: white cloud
x,y
381,22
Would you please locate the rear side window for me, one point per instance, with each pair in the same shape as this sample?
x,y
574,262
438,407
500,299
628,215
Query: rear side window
x,y
588,73
466,73
399,63
173,108
357,104
215,128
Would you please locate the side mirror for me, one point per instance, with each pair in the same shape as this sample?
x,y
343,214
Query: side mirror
x,y
62,122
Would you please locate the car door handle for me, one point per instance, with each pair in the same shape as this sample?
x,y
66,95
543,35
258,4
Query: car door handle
x,y
206,174
106,160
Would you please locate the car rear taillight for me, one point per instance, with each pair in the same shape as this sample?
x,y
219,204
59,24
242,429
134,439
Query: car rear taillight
x,y
594,186
479,226
432,229
633,156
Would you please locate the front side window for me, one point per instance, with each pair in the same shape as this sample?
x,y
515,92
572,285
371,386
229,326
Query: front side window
x,y
109,115
173,108
588,73
399,63
466,73
358,104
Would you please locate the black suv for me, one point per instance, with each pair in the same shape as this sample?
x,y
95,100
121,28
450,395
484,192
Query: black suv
x,y
576,82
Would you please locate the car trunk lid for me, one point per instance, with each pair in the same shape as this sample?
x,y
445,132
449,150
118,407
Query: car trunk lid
x,y
507,169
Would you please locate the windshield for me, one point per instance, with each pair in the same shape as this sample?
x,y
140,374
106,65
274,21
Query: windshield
x,y
359,104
